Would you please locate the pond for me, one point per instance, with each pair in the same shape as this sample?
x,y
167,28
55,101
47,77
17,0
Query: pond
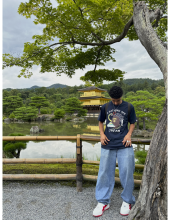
x,y
57,149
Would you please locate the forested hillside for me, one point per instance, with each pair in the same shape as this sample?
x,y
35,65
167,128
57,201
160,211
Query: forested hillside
x,y
56,97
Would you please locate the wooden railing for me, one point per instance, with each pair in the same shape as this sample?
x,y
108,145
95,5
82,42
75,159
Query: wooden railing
x,y
79,161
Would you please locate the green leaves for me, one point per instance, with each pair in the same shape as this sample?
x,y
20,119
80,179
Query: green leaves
x,y
146,104
82,31
26,113
59,113
102,74
13,148
39,102
73,105
10,103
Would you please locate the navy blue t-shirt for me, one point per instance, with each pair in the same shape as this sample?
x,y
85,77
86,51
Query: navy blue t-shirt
x,y
116,123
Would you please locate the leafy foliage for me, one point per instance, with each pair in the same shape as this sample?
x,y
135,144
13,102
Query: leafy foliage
x,y
12,116
10,103
141,156
85,29
13,148
26,113
147,106
39,102
59,113
73,105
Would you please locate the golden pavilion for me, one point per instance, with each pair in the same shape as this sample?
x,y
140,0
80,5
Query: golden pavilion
x,y
92,98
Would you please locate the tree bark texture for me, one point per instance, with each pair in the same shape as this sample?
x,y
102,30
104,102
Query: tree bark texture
x,y
149,38
152,200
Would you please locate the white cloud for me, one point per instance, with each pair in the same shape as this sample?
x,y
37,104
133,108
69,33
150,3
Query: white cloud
x,y
131,57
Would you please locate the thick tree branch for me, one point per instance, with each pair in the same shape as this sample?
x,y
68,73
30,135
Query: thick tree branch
x,y
98,55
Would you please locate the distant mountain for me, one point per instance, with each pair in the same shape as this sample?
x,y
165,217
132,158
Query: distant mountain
x,y
141,80
57,85
34,87
126,81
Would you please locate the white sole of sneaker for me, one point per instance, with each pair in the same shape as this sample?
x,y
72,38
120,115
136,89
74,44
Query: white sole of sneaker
x,y
101,214
124,214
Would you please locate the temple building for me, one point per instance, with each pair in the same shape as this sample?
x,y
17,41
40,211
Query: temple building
x,y
92,98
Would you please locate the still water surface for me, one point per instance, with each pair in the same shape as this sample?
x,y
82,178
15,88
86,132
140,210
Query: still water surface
x,y
57,149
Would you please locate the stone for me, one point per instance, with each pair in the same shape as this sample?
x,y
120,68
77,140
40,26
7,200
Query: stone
x,y
34,129
7,120
142,133
20,121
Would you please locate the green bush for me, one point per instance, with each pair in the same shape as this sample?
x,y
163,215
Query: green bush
x,y
68,119
4,117
43,111
12,115
59,113
141,126
140,156
13,148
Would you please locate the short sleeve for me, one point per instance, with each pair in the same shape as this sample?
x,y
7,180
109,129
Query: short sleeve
x,y
102,115
132,118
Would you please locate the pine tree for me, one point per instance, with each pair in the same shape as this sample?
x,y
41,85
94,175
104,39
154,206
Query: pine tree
x,y
39,102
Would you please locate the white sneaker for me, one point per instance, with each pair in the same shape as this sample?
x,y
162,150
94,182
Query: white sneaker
x,y
100,208
125,208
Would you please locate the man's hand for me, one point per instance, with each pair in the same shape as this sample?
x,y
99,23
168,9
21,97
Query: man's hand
x,y
127,140
103,139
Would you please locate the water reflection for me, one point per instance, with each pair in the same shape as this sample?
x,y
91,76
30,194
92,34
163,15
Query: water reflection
x,y
56,149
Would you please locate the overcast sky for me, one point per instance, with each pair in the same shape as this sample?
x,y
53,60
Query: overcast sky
x,y
131,57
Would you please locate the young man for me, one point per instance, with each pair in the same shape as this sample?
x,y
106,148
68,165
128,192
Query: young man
x,y
116,143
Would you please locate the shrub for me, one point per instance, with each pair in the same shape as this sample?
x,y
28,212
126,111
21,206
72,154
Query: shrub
x,y
13,148
68,119
43,111
141,156
59,113
12,115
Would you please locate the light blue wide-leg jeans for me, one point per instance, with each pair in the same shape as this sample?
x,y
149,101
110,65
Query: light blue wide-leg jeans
x,y
106,174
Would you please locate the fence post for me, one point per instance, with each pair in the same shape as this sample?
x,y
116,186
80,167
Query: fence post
x,y
79,177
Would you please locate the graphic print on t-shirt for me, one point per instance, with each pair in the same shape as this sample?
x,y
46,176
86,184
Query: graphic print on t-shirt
x,y
115,119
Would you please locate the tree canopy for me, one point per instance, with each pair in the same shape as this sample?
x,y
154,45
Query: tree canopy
x,y
13,148
39,102
83,32
147,106
10,103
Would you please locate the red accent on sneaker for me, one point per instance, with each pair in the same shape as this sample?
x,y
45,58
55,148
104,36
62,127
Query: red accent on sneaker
x,y
130,206
104,207
102,211
124,215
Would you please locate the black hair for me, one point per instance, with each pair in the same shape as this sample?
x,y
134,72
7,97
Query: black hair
x,y
116,92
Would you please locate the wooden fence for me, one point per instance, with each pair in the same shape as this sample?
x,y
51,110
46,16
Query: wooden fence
x,y
79,177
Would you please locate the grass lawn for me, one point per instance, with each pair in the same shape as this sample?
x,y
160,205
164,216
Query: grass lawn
x,y
57,169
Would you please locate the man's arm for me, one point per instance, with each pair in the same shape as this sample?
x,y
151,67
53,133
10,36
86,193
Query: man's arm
x,y
127,138
103,139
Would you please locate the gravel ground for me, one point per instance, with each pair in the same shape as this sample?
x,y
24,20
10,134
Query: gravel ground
x,y
47,202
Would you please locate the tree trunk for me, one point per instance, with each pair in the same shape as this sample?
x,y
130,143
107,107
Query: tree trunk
x,y
137,123
18,154
144,127
152,200
39,111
